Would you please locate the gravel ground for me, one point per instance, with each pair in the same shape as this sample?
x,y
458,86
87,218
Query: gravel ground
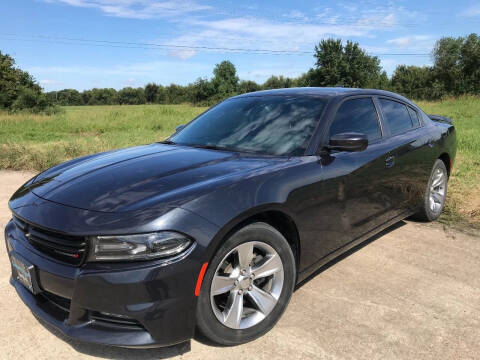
x,y
413,292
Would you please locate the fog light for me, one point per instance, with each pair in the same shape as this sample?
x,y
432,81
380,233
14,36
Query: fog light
x,y
107,314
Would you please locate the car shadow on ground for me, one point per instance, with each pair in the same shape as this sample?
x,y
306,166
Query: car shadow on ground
x,y
111,352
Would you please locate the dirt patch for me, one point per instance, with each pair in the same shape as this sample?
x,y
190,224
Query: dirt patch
x,y
471,206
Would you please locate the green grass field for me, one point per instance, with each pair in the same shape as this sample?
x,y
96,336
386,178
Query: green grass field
x,y
463,202
36,142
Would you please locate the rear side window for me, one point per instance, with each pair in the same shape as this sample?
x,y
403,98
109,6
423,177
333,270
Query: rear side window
x,y
414,116
396,115
357,115
425,118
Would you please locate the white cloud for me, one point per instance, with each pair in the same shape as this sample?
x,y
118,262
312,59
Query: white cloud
x,y
264,34
293,30
297,15
138,9
50,82
130,70
183,54
117,76
413,41
259,34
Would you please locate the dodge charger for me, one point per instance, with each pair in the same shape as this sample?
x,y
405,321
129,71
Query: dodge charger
x,y
208,232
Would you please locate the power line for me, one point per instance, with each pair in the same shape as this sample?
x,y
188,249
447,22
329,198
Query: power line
x,y
149,46
227,50
153,45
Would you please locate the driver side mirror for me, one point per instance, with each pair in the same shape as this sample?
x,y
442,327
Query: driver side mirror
x,y
179,127
348,142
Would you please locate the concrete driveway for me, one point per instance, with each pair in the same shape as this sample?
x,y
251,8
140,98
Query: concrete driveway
x,y
411,293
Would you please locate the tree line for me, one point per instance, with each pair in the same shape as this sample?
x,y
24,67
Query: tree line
x,y
455,71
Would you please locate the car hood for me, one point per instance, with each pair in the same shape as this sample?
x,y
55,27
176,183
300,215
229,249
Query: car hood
x,y
140,177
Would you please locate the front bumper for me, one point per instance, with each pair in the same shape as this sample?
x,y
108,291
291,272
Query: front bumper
x,y
134,305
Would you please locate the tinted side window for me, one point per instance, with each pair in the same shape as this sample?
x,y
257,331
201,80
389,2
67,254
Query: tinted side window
x,y
396,115
414,116
357,115
425,118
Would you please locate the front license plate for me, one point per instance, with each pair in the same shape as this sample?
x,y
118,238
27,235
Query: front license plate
x,y
24,273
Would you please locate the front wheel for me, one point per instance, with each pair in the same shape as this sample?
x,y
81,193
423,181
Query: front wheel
x,y
247,286
435,194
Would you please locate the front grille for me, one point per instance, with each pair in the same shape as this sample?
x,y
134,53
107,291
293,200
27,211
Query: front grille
x,y
66,248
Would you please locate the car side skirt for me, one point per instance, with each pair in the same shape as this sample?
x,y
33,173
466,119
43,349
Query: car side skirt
x,y
314,268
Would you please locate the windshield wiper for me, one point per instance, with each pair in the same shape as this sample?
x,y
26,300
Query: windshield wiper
x,y
167,142
210,147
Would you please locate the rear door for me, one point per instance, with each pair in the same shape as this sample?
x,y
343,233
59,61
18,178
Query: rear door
x,y
411,152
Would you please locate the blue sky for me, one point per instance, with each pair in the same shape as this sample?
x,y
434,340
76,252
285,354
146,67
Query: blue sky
x,y
83,44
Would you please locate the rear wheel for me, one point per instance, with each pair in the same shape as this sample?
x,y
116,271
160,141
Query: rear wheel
x,y
247,286
435,194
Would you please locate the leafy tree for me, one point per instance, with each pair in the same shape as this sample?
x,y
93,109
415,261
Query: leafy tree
x,y
412,81
131,96
203,91
469,63
304,79
103,97
383,82
347,65
160,95
65,97
446,55
225,80
278,82
457,64
18,89
174,94
246,86
151,91
30,99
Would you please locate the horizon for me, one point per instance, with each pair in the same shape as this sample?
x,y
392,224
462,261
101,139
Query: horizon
x,y
83,44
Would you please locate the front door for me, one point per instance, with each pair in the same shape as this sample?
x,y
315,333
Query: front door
x,y
357,185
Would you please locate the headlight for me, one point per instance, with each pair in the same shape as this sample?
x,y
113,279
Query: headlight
x,y
138,247
9,244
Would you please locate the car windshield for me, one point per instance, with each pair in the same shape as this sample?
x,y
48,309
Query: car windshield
x,y
272,125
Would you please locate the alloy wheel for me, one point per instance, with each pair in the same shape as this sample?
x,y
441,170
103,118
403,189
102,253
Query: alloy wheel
x,y
437,190
247,285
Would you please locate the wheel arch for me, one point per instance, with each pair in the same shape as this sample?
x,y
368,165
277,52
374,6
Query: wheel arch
x,y
272,216
445,157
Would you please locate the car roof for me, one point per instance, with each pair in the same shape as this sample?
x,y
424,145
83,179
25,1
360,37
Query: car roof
x,y
324,92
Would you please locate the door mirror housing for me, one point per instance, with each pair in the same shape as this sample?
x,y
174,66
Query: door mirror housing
x,y
179,127
348,142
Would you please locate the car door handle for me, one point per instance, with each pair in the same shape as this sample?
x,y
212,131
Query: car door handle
x,y
390,161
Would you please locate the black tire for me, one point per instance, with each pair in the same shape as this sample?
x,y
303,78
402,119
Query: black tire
x,y
208,326
425,213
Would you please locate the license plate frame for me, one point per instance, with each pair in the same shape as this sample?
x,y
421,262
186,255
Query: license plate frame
x,y
25,273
